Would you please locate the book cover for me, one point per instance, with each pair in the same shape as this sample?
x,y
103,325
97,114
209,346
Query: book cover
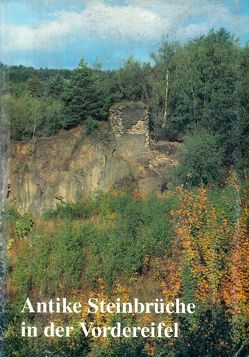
x,y
124,210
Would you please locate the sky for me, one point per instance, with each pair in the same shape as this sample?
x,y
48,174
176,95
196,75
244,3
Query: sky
x,y
58,33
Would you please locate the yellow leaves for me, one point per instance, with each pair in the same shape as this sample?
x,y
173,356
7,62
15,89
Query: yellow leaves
x,y
201,244
235,288
146,262
111,216
171,278
10,243
137,195
214,250
121,292
150,348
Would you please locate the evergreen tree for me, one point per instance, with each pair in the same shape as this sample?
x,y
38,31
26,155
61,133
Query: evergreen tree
x,y
55,86
35,86
82,97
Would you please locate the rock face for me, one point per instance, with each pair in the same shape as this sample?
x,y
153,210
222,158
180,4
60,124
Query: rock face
x,y
71,165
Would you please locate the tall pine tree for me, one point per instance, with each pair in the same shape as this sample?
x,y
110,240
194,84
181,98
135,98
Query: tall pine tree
x,y
82,98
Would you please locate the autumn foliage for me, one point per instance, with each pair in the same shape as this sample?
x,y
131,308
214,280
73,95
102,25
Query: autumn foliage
x,y
187,244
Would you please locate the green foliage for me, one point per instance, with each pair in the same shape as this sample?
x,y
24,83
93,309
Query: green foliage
x,y
200,160
21,73
225,202
244,111
35,87
110,89
22,223
132,80
51,118
203,83
91,125
31,117
82,97
17,346
18,89
71,211
211,338
55,86
108,237
23,113
109,241
112,243
122,347
200,84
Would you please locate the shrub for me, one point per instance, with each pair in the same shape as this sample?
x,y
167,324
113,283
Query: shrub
x,y
31,116
200,160
91,125
112,236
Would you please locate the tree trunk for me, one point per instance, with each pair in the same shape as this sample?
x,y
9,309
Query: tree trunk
x,y
165,114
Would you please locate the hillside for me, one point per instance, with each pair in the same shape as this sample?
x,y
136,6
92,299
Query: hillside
x,y
72,165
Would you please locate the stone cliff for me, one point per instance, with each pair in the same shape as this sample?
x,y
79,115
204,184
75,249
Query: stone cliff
x,y
71,165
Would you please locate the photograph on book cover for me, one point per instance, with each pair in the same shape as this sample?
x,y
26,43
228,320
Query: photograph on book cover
x,y
124,178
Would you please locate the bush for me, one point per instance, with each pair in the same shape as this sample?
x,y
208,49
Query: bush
x,y
31,117
200,160
110,241
91,125
106,239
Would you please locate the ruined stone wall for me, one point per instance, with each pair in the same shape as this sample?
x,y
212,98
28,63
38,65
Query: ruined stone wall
x,y
130,118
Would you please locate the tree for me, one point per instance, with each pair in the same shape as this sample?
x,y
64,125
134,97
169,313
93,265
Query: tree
x,y
200,160
35,86
55,86
163,78
31,117
132,80
109,88
197,84
211,338
217,62
82,97
24,113
244,109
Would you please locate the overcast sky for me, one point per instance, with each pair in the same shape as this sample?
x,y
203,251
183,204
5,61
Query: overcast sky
x,y
57,33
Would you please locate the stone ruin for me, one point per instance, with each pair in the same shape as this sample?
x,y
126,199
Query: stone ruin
x,y
130,118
